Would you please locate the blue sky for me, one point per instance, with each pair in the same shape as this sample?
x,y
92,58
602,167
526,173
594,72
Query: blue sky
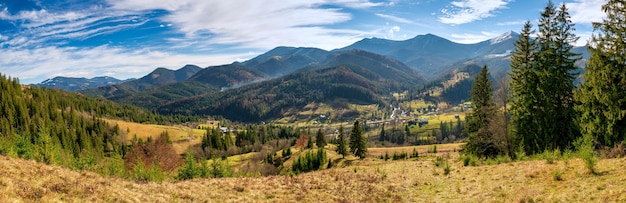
x,y
41,39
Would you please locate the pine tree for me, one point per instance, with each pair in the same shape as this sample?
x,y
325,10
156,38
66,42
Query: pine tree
x,y
341,146
556,65
481,140
542,82
320,139
602,97
358,143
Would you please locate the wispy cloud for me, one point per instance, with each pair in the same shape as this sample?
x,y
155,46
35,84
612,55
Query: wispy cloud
x,y
37,27
509,23
34,65
394,18
586,11
466,11
256,24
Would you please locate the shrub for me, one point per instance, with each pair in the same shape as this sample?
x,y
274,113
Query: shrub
x,y
438,161
550,156
397,156
220,168
587,153
520,154
446,168
382,173
415,154
557,175
141,173
189,170
470,160
567,155
432,149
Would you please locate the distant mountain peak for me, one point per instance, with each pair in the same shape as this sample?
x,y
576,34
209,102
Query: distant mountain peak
x,y
503,37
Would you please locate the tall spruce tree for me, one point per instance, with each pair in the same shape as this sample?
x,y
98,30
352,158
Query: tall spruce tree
x,y
524,85
320,139
542,82
556,63
341,145
602,97
481,140
358,143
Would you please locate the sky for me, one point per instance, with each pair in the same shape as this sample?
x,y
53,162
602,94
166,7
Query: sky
x,y
41,39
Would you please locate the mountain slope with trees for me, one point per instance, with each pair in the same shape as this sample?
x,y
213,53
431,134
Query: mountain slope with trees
x,y
270,99
157,78
77,84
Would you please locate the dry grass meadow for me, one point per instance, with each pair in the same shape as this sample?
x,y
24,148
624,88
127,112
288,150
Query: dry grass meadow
x,y
353,180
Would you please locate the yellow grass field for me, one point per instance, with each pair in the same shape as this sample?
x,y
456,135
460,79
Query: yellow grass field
x,y
369,180
182,136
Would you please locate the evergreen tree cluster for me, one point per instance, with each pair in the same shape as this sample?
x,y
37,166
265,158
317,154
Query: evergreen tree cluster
x,y
548,112
602,97
542,82
394,135
310,161
214,138
51,126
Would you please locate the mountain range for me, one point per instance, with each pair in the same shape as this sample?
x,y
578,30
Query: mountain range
x,y
75,84
286,77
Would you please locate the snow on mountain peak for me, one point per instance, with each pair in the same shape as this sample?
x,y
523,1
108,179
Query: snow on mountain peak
x,y
502,37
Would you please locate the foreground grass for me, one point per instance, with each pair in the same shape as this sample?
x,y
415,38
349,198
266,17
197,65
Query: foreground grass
x,y
368,180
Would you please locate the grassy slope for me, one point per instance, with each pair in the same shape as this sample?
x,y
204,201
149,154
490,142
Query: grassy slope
x,y
405,181
182,136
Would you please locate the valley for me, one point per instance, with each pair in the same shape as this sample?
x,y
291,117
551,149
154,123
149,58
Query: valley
x,y
519,117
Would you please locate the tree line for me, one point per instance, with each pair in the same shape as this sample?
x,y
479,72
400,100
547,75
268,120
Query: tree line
x,y
540,109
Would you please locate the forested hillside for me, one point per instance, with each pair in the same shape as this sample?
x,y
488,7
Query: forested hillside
x,y
63,128
208,80
157,78
268,99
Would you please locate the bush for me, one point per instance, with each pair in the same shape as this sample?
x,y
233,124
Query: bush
x,y
469,160
415,154
141,173
567,155
587,152
550,156
438,161
432,149
557,175
397,156
446,168
189,171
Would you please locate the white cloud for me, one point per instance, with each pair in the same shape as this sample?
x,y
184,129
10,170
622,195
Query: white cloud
x,y
469,38
394,18
586,11
466,11
35,65
256,24
40,26
393,30
509,23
